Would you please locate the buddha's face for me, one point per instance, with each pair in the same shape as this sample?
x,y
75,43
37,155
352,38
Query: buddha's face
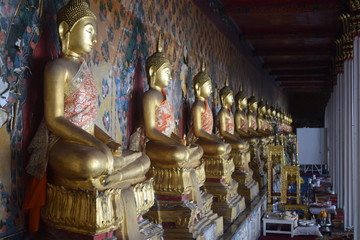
x,y
242,103
273,113
253,106
229,100
83,36
205,90
163,76
268,112
263,110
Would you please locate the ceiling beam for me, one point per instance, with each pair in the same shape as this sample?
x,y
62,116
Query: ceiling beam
x,y
251,3
282,9
311,72
297,65
301,79
287,35
292,52
292,83
304,84
307,90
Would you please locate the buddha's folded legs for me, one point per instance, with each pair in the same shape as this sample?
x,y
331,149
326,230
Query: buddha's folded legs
x,y
72,160
133,172
214,148
164,155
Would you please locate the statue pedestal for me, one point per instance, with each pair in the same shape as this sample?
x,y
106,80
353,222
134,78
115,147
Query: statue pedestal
x,y
51,233
92,213
181,207
248,187
258,173
227,202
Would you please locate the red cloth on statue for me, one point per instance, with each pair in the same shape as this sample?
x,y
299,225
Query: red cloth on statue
x,y
35,197
230,125
164,114
207,119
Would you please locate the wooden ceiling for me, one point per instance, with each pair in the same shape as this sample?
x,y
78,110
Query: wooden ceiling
x,y
295,41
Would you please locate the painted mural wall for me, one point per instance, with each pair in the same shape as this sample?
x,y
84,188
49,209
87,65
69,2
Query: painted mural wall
x,y
127,34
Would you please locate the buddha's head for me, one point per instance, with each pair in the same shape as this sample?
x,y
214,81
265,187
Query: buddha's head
x,y
202,83
241,99
273,112
158,68
77,28
261,107
268,110
252,103
278,114
226,95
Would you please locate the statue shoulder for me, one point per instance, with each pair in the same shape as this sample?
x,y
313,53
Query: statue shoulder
x,y
222,112
152,95
57,69
198,105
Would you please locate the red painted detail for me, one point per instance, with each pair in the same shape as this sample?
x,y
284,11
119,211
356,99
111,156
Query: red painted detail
x,y
168,224
162,197
215,180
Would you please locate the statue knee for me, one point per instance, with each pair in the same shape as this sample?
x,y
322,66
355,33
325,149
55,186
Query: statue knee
x,y
181,154
145,162
92,164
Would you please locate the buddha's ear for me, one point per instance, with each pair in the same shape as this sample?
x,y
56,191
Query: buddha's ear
x,y
196,88
152,74
64,36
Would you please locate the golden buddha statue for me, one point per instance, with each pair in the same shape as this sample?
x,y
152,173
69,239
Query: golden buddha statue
x,y
256,164
93,186
177,168
263,132
248,187
218,164
240,147
268,121
241,121
260,119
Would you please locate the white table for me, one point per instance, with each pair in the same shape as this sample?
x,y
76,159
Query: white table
x,y
279,222
309,230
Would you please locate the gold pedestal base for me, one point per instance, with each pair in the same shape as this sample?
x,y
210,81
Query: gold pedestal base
x,y
92,212
259,175
184,219
248,188
150,230
183,210
177,181
227,202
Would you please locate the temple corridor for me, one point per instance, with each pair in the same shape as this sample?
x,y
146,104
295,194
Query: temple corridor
x,y
179,119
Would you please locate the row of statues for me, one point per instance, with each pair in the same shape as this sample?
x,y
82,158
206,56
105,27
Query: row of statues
x,y
183,188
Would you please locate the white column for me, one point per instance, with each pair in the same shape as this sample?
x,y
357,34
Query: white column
x,y
356,138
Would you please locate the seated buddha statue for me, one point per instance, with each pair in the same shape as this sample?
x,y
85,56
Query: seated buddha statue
x,y
202,118
240,147
263,132
269,123
260,119
226,121
165,149
85,165
176,167
256,164
219,164
241,121
251,116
